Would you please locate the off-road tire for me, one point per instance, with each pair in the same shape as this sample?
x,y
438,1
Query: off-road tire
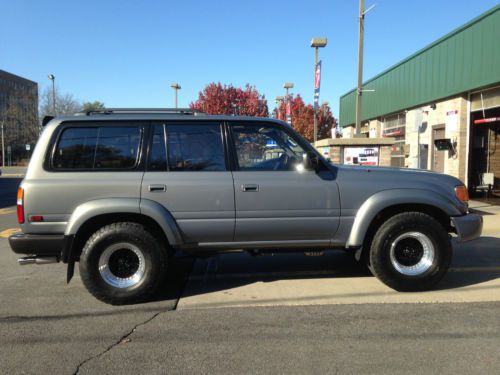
x,y
154,257
436,237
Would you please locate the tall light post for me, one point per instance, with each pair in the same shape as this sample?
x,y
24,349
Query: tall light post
x,y
53,79
287,86
176,87
317,43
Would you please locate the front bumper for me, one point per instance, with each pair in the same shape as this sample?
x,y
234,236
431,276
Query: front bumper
x,y
37,244
468,227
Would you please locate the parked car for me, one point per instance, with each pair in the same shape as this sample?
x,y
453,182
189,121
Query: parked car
x,y
120,190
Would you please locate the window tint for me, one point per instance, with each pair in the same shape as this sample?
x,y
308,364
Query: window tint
x,y
266,148
158,153
98,148
195,148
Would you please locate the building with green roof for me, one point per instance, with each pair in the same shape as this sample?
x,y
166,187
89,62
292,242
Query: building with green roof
x,y
447,94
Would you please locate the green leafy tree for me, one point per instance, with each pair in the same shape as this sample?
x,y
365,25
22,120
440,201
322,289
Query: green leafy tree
x,y
92,106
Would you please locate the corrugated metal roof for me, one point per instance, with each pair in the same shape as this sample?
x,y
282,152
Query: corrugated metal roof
x,y
465,59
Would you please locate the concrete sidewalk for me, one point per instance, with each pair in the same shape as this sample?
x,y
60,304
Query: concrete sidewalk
x,y
238,280
491,217
13,171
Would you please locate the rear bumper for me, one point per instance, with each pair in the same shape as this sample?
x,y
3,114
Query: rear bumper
x,y
37,244
468,227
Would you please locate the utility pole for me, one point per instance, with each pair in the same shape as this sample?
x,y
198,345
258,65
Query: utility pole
x,y
359,89
176,87
316,43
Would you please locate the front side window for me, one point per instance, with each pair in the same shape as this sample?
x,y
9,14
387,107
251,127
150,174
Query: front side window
x,y
97,148
266,148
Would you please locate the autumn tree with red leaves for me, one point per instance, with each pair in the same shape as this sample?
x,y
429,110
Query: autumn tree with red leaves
x,y
303,118
218,99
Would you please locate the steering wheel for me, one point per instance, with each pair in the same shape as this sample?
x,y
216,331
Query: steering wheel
x,y
282,162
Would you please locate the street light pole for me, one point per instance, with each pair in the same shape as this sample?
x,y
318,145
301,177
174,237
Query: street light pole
x,y
53,79
316,43
176,87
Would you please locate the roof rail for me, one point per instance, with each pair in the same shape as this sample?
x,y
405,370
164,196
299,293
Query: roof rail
x,y
174,111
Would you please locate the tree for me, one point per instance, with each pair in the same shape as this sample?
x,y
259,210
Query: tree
x,y
218,99
303,118
66,104
92,106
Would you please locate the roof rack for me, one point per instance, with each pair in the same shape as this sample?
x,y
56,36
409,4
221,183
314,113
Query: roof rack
x,y
174,111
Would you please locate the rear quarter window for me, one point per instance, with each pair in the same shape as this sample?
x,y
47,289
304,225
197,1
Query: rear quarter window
x,y
95,148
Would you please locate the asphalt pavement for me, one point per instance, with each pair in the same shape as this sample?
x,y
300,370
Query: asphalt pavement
x,y
237,314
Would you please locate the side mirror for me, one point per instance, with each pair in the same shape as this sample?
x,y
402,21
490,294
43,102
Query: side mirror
x,y
311,161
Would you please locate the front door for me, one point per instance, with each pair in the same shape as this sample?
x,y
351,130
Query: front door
x,y
187,174
276,198
438,156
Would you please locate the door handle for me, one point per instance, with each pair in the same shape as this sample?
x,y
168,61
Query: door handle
x,y
157,188
250,188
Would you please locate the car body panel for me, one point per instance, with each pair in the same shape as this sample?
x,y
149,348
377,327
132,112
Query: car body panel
x,y
288,205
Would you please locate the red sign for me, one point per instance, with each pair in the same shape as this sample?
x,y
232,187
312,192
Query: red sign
x,y
486,120
317,76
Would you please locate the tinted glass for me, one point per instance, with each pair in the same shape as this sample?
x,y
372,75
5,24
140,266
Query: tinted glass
x,y
195,148
98,148
158,153
266,148
76,148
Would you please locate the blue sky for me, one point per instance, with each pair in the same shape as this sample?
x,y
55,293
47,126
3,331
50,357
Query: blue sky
x,y
127,53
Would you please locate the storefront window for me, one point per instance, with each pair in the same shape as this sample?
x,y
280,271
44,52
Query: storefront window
x,y
394,127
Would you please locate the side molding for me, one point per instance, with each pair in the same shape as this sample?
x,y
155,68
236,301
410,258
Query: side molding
x,y
386,198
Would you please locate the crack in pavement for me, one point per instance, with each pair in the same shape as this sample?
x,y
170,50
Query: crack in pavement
x,y
122,339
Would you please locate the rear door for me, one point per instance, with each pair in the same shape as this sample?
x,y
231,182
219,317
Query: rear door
x,y
276,198
187,174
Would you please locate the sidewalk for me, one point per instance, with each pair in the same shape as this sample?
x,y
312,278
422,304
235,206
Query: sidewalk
x,y
13,171
491,217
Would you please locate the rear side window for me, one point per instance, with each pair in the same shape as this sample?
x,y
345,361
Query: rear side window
x,y
98,148
187,147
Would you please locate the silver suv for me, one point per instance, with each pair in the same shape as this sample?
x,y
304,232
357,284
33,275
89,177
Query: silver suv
x,y
120,190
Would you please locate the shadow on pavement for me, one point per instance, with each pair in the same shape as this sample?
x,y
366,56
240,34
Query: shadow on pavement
x,y
474,263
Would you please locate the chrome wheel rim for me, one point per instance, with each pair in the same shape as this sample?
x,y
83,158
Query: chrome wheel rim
x,y
412,253
122,265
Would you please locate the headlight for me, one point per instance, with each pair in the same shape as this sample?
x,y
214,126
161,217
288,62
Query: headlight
x,y
462,193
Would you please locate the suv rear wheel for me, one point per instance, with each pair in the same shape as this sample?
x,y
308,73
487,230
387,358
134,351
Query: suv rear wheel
x,y
411,251
122,263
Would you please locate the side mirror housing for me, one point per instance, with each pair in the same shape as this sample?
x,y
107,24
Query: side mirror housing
x,y
311,161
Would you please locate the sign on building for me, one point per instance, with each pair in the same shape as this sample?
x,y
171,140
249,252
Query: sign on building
x,y
361,155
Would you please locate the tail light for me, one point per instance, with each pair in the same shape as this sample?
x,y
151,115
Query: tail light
x,y
20,205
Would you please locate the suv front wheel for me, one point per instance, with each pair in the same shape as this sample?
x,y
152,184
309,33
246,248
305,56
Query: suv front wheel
x,y
122,263
411,251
